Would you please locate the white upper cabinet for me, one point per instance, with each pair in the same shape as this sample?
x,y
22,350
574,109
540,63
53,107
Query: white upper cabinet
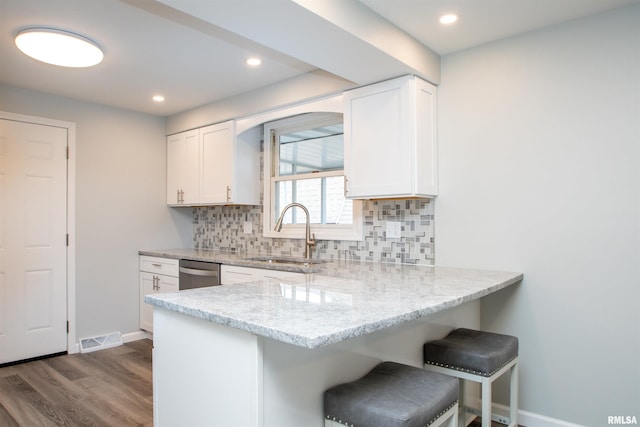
x,y
390,140
211,165
183,173
217,162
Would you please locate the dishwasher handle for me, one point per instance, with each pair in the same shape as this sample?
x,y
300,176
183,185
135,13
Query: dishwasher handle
x,y
196,272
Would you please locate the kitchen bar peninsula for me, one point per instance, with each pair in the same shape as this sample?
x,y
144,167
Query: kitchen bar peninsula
x,y
262,353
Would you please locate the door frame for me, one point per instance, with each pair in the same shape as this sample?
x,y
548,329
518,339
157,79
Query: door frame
x,y
72,342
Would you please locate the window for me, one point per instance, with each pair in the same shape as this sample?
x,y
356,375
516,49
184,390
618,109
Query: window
x,y
304,162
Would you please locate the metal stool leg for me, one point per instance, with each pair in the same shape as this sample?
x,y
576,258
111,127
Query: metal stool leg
x,y
453,421
486,402
513,396
462,414
448,419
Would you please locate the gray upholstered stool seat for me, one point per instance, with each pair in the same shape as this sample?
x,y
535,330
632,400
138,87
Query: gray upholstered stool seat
x,y
477,356
477,352
393,395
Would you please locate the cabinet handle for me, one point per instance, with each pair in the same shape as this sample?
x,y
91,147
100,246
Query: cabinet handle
x,y
156,284
177,196
181,196
157,265
346,190
228,193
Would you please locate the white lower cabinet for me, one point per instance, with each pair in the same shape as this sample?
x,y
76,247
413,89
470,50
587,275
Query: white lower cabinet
x,y
230,274
156,275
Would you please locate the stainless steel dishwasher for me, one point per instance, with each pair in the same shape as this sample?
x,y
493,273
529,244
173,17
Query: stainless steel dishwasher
x,y
198,274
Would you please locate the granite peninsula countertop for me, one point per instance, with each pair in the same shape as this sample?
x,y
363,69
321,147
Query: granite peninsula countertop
x,y
334,301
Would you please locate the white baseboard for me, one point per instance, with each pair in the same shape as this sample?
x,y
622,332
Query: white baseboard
x,y
530,419
135,336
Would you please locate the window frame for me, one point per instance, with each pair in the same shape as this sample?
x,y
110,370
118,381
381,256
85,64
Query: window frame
x,y
297,231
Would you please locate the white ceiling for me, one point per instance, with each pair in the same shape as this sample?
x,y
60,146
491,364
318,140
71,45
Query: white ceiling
x,y
482,21
195,55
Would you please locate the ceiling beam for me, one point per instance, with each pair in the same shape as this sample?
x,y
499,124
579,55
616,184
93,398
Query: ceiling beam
x,y
342,37
363,23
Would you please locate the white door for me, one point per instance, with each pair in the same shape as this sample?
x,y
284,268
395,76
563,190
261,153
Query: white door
x,y
33,229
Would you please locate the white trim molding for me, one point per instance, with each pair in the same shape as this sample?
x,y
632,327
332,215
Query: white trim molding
x,y
135,336
531,419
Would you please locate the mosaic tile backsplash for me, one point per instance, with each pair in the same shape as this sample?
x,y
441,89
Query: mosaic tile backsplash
x,y
221,227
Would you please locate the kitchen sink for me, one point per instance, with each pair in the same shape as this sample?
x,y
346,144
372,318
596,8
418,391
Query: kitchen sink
x,y
285,260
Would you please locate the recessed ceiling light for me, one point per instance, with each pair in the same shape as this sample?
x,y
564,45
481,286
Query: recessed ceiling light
x,y
59,47
254,62
158,98
449,18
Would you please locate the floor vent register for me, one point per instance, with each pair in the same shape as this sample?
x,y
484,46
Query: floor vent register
x,y
100,342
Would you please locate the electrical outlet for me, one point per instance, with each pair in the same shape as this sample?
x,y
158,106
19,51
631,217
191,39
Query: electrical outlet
x,y
248,227
394,230
500,419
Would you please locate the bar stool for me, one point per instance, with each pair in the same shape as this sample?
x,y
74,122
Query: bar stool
x,y
481,357
393,395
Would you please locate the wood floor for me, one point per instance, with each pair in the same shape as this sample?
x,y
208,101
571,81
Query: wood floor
x,y
111,387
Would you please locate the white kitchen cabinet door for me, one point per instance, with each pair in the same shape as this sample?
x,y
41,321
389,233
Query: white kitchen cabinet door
x,y
159,265
246,184
230,165
217,162
230,274
390,140
213,166
147,282
279,274
183,168
157,274
151,283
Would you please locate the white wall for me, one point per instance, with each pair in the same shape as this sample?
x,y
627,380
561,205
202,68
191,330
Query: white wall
x,y
120,203
539,173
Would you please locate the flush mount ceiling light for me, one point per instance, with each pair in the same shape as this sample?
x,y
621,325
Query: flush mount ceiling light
x,y
449,18
254,62
59,47
158,98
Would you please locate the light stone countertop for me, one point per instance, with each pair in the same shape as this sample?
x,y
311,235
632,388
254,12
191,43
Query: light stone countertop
x,y
241,259
337,301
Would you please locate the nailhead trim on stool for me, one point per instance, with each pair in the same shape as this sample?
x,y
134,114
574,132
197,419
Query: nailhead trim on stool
x,y
477,356
393,395
461,369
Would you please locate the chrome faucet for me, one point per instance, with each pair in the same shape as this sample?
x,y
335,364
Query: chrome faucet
x,y
309,237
